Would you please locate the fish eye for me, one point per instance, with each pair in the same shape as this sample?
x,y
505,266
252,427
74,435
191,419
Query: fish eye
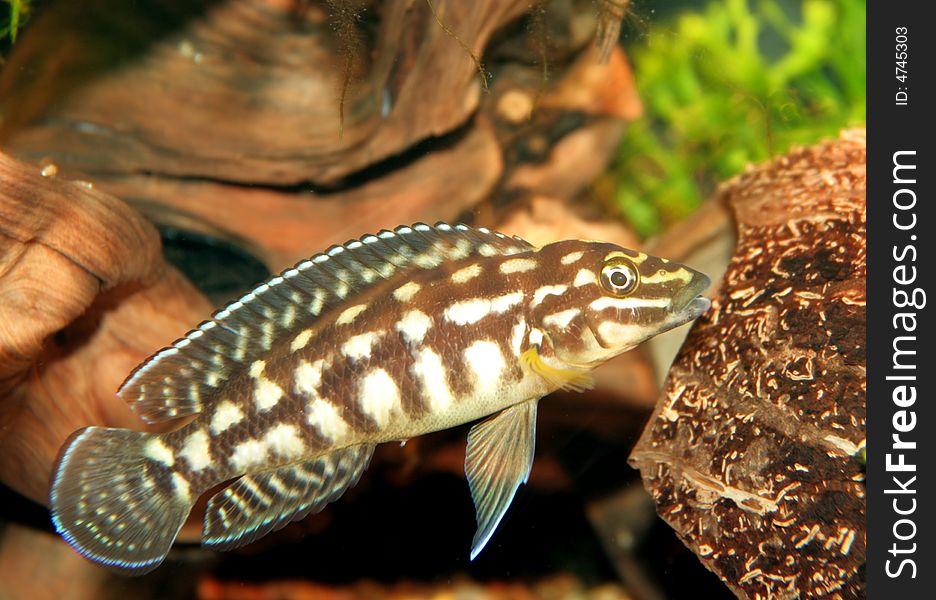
x,y
619,277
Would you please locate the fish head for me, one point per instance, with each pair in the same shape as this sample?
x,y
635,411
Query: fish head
x,y
612,299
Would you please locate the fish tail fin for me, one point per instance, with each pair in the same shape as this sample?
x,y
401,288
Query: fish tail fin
x,y
116,499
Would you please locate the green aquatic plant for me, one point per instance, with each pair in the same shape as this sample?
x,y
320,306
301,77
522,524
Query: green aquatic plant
x,y
11,22
731,83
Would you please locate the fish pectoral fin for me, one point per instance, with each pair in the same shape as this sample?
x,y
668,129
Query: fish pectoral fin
x,y
498,460
259,503
569,379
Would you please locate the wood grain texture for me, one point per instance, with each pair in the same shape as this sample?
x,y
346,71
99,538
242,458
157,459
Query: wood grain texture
x,y
240,91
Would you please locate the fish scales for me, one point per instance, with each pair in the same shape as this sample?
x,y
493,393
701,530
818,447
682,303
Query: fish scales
x,y
382,339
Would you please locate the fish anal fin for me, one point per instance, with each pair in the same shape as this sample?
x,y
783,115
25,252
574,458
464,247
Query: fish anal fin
x,y
498,459
259,503
563,378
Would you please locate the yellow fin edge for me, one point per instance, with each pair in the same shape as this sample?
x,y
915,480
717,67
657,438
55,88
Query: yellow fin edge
x,y
576,380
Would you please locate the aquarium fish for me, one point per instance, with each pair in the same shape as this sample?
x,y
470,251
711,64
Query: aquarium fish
x,y
289,389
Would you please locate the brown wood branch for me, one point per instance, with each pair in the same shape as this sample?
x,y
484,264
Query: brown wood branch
x,y
286,226
84,296
243,91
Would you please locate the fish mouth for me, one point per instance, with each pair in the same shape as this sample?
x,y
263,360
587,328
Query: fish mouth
x,y
689,304
696,307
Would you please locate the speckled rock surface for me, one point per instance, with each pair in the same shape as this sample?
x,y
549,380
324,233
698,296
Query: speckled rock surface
x,y
752,454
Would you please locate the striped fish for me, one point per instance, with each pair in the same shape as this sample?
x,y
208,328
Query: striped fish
x,y
289,389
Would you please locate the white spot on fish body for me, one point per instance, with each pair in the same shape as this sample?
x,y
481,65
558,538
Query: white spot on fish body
x,y
256,368
619,334
572,257
547,290
248,454
267,394
517,335
517,265
379,396
322,415
196,450
585,277
502,304
299,342
226,415
466,274
157,450
484,358
562,318
284,440
430,371
414,325
405,292
359,346
466,312
628,303
308,377
349,314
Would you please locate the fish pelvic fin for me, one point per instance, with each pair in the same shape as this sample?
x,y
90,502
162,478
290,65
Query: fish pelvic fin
x,y
116,499
498,459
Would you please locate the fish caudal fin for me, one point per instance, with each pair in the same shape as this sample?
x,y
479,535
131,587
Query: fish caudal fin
x,y
115,505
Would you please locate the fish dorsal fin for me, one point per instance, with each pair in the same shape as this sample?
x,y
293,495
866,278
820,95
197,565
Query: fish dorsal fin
x,y
498,460
259,503
176,381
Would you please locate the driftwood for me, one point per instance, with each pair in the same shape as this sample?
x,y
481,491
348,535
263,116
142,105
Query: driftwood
x,y
229,111
752,454
84,296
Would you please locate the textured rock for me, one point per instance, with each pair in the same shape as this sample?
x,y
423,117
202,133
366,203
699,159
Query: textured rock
x,y
752,452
